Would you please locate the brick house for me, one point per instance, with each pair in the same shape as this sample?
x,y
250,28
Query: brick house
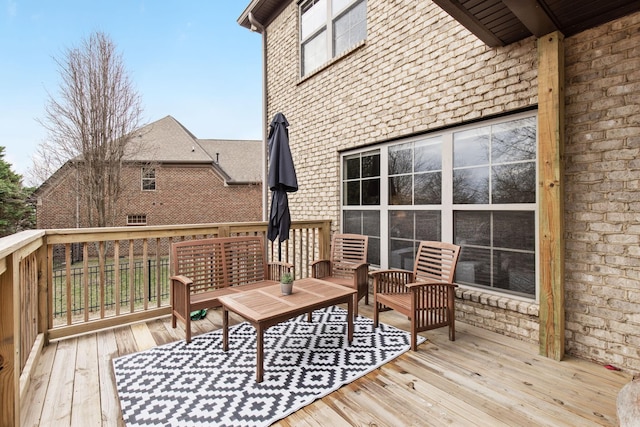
x,y
508,127
172,177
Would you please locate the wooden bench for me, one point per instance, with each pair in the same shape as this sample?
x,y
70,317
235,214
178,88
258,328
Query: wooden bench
x,y
205,269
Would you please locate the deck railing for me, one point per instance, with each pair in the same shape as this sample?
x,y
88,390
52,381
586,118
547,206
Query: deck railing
x,y
58,283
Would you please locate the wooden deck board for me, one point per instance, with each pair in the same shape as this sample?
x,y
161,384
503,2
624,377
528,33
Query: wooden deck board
x,y
86,387
481,379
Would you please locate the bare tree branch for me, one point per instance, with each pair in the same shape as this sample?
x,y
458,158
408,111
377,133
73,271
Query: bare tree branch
x,y
89,122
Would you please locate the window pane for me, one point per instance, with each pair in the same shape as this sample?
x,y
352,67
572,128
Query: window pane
x,y
371,223
352,222
427,156
400,190
352,167
373,253
371,165
514,141
514,183
514,230
367,223
428,226
371,191
428,188
471,186
338,6
314,52
471,147
314,16
350,28
401,224
515,272
474,266
352,193
401,254
472,228
400,159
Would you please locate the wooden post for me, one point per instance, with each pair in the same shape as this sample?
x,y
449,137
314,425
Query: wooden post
x,y
325,240
9,345
551,206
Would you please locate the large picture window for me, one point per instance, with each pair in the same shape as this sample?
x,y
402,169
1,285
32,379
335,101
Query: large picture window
x,y
329,28
474,185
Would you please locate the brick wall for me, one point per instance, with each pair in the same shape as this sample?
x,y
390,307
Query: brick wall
x,y
419,70
183,195
602,193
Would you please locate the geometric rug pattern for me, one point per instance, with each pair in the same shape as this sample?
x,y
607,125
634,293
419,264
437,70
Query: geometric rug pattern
x,y
198,384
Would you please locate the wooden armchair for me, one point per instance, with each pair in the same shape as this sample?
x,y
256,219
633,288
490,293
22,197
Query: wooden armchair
x,y
348,264
425,295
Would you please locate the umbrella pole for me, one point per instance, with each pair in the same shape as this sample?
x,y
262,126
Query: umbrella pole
x,y
279,250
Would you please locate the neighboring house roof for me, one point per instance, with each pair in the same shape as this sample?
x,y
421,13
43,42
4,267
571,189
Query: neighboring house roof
x,y
242,160
167,141
498,22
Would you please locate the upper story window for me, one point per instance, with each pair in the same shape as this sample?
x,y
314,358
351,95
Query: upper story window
x,y
148,179
328,28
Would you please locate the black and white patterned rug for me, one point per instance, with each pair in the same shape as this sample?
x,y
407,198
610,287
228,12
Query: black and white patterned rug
x,y
194,384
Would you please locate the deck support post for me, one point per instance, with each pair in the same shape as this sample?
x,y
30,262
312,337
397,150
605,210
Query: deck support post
x,y
9,344
551,189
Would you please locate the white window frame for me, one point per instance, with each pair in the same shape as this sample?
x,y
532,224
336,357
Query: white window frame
x,y
136,219
447,207
145,179
330,17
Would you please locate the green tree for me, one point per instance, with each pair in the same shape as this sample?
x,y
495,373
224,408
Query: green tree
x,y
16,213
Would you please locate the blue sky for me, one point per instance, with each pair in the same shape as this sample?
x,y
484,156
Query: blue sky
x,y
188,59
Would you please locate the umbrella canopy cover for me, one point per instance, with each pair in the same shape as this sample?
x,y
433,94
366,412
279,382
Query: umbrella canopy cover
x,y
281,180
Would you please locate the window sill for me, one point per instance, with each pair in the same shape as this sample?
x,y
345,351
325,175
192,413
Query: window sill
x,y
332,61
497,300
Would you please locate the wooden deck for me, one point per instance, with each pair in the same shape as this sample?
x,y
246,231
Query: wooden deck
x,y
481,379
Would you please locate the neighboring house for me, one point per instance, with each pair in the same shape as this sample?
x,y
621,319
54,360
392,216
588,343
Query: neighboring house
x,y
508,127
170,177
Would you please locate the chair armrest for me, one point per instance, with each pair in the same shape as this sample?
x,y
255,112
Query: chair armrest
x,y
426,284
320,268
275,269
391,281
181,280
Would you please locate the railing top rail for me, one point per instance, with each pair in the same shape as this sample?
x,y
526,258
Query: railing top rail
x,y
12,243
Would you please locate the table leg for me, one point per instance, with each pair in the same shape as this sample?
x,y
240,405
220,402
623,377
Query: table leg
x,y
351,306
259,353
225,329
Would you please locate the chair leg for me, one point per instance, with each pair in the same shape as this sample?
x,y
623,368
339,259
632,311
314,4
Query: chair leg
x,y
187,327
375,314
414,334
452,331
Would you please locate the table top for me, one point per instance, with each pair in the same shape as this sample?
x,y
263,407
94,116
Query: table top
x,y
262,304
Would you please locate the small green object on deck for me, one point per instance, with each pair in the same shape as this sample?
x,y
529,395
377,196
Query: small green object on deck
x,y
199,314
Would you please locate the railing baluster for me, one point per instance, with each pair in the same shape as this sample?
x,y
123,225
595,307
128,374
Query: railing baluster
x,y
116,275
85,279
67,259
131,281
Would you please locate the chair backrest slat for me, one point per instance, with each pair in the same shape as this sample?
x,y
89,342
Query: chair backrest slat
x,y
436,261
350,248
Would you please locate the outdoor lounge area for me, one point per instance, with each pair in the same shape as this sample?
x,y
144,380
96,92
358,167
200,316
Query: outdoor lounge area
x,y
481,379
66,358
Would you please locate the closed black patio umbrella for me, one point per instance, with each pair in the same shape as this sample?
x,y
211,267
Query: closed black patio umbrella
x,y
281,180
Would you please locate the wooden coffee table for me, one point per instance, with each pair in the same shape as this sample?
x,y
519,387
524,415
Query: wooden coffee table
x,y
267,306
